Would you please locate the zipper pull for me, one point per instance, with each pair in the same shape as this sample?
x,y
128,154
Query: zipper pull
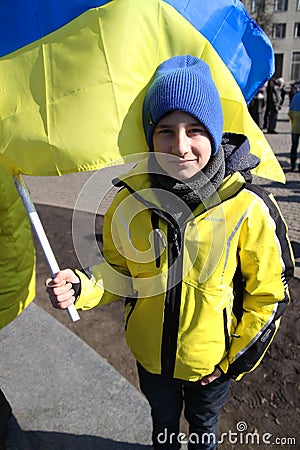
x,y
176,247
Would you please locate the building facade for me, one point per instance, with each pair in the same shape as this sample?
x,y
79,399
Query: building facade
x,y
280,20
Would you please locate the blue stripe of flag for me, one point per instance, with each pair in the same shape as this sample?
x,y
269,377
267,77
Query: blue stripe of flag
x,y
23,22
237,38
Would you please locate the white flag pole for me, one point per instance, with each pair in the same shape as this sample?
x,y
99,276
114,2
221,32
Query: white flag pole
x,y
40,232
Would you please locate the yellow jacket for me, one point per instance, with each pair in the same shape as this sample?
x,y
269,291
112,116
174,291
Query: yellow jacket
x,y
184,315
294,117
294,113
17,256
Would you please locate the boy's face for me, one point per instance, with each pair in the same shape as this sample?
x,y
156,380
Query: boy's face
x,y
181,144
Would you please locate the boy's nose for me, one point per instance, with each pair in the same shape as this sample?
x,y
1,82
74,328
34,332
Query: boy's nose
x,y
180,145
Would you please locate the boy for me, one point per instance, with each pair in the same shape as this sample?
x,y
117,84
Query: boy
x,y
201,255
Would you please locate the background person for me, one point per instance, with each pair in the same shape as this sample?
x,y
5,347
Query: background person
x,y
294,116
281,84
257,107
273,105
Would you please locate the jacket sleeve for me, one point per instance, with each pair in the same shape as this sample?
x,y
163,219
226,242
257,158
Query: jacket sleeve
x,y
266,264
110,279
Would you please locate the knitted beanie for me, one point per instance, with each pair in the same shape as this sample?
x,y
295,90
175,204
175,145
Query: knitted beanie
x,y
184,83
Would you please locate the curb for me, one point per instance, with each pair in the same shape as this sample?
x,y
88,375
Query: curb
x,y
64,395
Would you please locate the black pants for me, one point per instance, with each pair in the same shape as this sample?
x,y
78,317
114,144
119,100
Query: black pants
x,y
273,115
202,405
5,413
294,148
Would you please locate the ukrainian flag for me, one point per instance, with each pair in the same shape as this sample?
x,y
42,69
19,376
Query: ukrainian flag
x,y
73,75
17,256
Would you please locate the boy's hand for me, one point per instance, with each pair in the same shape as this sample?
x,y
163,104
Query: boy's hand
x,y
211,377
60,290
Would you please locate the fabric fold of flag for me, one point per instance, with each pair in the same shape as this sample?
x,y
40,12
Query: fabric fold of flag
x,y
17,257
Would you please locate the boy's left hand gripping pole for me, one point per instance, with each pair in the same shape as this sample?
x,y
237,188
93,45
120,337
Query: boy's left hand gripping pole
x,y
38,228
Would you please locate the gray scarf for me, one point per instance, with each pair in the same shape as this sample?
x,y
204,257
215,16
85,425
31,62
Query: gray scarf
x,y
192,191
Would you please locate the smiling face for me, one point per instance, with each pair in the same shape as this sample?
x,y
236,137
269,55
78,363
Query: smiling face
x,y
182,145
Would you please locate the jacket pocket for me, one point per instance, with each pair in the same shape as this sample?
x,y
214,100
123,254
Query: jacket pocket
x,y
226,333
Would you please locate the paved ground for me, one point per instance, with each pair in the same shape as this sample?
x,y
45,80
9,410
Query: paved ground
x,y
64,395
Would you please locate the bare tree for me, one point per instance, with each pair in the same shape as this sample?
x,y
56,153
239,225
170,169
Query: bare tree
x,y
262,12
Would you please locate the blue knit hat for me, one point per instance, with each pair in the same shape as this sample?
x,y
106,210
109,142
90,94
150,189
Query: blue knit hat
x,y
184,83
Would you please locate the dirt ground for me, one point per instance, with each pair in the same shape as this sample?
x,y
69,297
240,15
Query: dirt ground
x,y
265,404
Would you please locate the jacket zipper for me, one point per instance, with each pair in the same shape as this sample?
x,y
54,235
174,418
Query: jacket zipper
x,y
172,302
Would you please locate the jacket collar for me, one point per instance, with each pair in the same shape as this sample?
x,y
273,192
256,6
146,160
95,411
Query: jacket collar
x,y
137,181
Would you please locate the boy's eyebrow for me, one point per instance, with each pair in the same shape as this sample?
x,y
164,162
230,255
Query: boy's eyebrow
x,y
190,124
